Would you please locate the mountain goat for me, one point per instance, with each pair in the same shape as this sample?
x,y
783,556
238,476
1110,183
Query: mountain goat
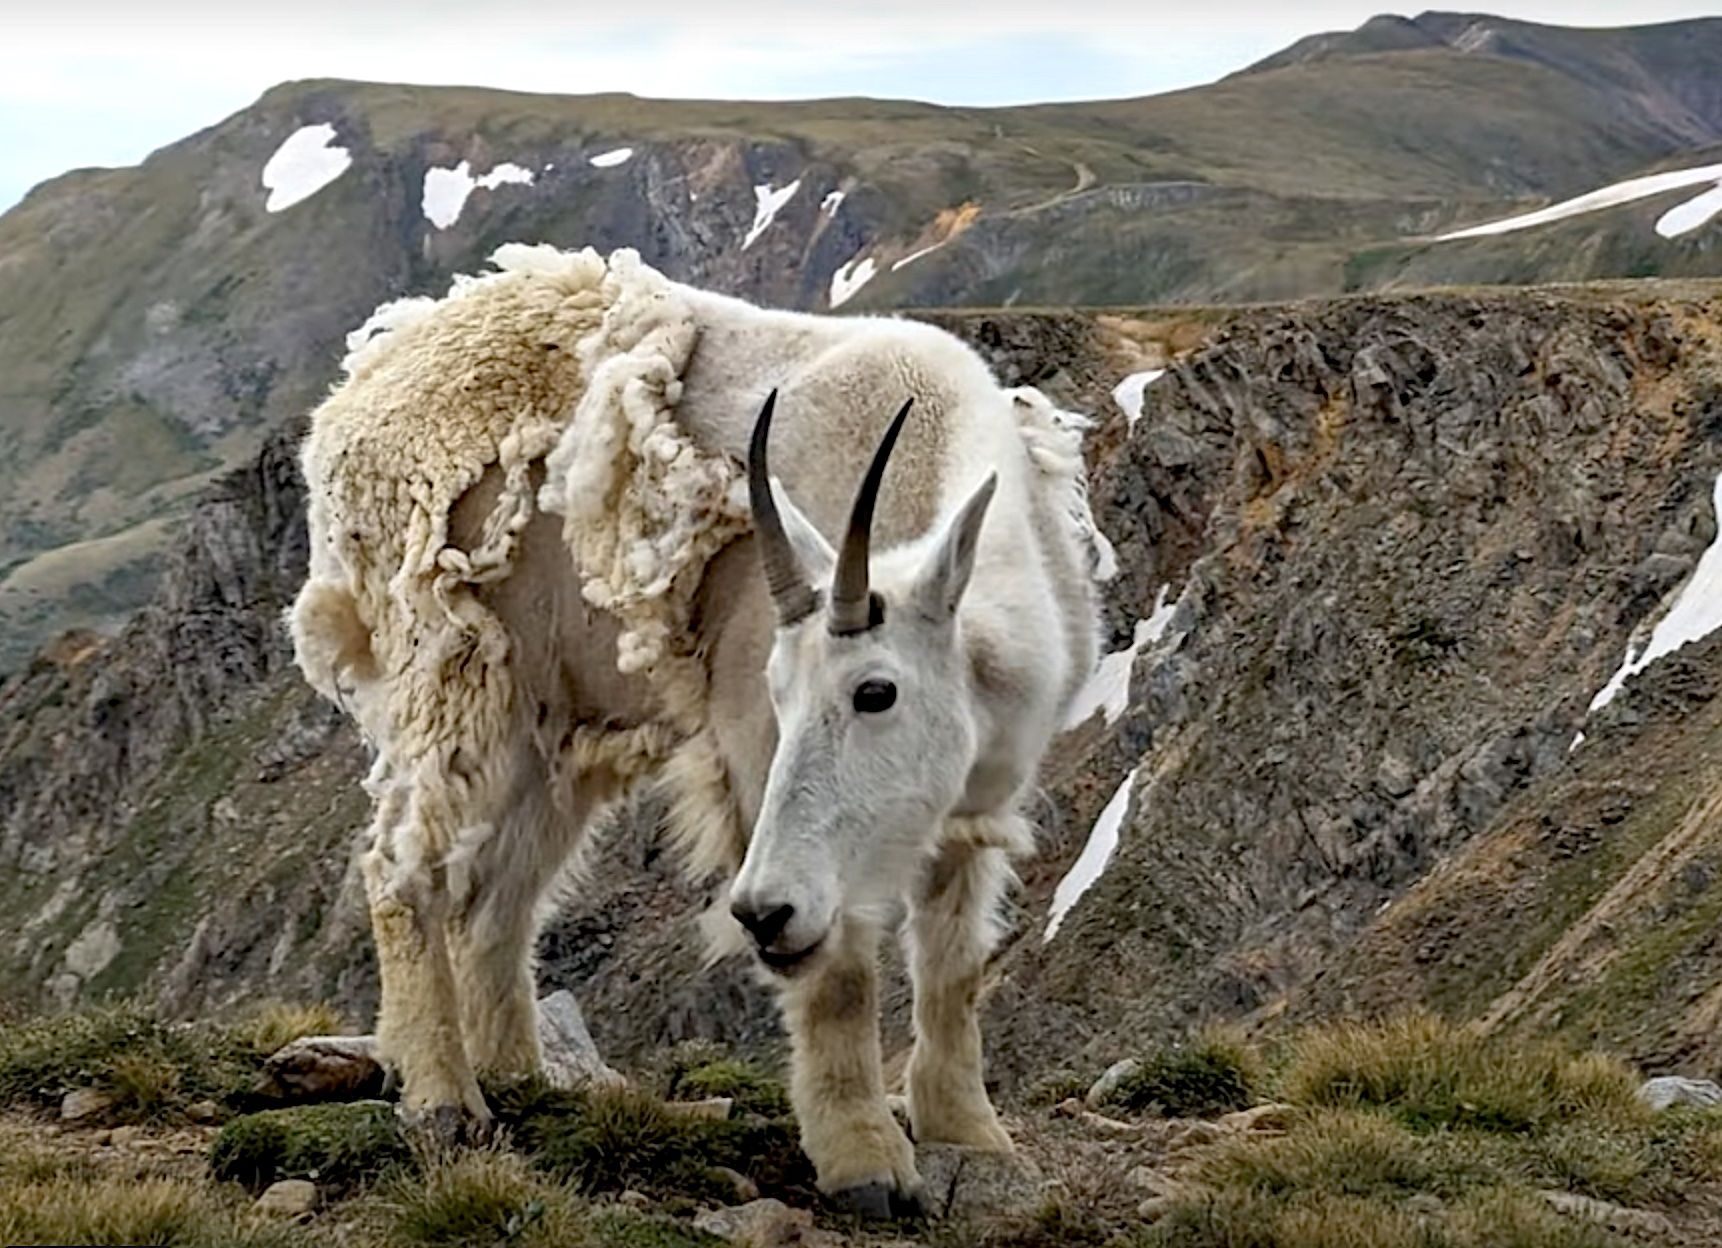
x,y
540,509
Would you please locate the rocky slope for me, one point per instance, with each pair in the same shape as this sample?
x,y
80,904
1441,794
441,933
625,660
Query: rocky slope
x,y
157,322
1405,541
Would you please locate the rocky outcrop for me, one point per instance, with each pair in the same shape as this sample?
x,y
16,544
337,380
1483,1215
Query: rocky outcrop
x,y
1402,542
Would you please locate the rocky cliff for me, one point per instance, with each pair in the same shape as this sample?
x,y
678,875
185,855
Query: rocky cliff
x,y
1398,544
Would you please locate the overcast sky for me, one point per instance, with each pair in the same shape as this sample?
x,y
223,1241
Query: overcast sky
x,y
105,83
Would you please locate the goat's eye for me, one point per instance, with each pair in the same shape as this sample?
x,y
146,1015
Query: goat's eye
x,y
873,696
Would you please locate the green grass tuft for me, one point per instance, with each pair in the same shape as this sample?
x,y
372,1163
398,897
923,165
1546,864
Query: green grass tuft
x,y
339,1146
480,1197
1214,1075
697,1073
150,1067
87,1210
611,1140
1431,1074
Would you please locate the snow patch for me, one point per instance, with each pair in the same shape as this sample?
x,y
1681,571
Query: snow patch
x,y
1102,842
1685,218
916,255
1128,393
303,165
612,158
768,203
1108,688
1609,196
831,203
850,278
1696,613
446,190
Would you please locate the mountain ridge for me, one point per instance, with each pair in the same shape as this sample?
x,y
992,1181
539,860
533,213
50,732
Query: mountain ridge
x,y
156,322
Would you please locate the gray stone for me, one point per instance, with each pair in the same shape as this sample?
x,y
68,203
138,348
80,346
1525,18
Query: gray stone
x,y
1666,1091
716,1108
1615,1217
81,1103
973,1185
571,1059
289,1198
1103,1088
1156,1207
1157,1182
745,1188
758,1224
1269,1117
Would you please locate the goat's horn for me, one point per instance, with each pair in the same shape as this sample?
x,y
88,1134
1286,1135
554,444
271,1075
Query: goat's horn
x,y
783,575
852,606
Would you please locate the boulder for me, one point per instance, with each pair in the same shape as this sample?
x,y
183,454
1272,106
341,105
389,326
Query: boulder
x,y
972,1185
323,1068
289,1198
571,1059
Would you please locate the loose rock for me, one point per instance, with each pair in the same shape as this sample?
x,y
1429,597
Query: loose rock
x,y
1269,1117
758,1224
323,1068
745,1188
715,1107
84,1103
1667,1091
970,1184
289,1197
1615,1217
571,1058
1194,1134
1155,1207
1103,1088
1156,1181
203,1111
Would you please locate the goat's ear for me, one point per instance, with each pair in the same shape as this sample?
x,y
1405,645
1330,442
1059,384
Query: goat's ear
x,y
818,560
945,576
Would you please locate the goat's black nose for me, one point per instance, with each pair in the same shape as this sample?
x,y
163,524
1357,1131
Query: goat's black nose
x,y
764,923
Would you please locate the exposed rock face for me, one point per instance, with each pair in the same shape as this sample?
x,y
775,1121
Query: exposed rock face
x,y
1407,540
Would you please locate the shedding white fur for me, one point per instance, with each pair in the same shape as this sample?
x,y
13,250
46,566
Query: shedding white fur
x,y
528,586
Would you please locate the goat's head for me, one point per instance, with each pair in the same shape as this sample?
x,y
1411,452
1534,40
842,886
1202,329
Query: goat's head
x,y
876,731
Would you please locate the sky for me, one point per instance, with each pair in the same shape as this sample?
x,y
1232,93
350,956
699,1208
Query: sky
x,y
105,82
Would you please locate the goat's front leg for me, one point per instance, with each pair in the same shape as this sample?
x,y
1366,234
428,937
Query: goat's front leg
x,y
418,1021
952,929
837,1080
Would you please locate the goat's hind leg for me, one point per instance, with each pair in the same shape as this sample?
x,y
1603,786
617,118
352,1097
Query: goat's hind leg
x,y
495,928
837,1082
951,931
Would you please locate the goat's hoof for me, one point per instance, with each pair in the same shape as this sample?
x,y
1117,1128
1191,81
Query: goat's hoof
x,y
880,1201
448,1126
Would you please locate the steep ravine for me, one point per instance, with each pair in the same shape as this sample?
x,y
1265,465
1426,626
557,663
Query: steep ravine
x,y
1407,539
